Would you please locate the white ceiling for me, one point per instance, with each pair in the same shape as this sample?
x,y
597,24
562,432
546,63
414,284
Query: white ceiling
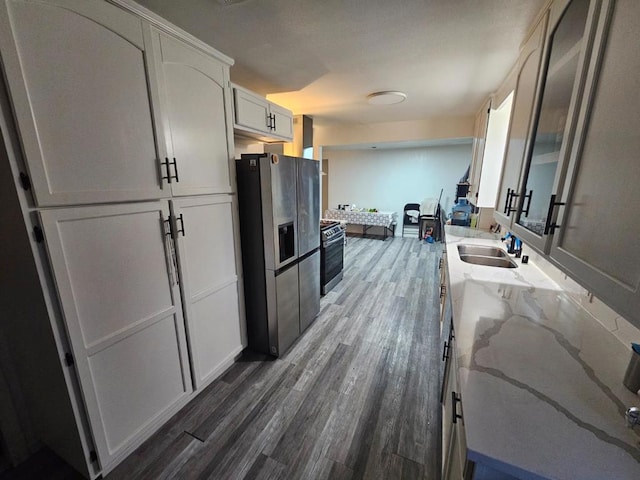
x,y
322,57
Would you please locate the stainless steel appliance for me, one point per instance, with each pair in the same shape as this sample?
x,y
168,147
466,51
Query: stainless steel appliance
x,y
279,204
331,254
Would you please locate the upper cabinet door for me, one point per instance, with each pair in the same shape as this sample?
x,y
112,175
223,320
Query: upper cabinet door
x,y
525,89
76,71
570,36
281,121
598,237
251,111
196,113
479,140
256,117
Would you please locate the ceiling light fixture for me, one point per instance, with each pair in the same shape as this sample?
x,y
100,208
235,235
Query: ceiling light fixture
x,y
388,97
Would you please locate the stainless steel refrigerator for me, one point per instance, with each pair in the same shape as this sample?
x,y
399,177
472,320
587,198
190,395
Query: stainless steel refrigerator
x,y
279,204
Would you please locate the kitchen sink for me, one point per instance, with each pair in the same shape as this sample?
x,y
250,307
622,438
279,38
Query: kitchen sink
x,y
482,250
502,262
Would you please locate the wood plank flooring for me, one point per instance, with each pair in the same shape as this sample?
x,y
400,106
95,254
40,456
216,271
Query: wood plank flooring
x,y
357,397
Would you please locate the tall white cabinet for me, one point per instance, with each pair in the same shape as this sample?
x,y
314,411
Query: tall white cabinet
x,y
118,132
78,77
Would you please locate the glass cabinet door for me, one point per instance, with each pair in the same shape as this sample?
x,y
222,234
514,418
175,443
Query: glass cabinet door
x,y
566,43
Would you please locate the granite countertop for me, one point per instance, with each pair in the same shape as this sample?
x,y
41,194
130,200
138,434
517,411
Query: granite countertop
x,y
540,378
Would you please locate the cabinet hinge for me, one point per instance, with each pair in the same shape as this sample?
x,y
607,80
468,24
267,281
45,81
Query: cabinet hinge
x,y
25,181
39,235
68,359
93,456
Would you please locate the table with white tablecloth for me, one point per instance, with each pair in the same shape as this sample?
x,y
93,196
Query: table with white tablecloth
x,y
366,219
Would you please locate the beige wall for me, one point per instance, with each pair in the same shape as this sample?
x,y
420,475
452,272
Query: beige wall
x,y
429,129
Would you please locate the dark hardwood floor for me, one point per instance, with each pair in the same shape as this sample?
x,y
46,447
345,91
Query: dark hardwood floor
x,y
357,397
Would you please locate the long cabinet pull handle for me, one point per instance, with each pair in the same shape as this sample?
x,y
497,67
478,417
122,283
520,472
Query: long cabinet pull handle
x,y
168,223
445,351
550,228
167,170
454,411
507,202
511,209
175,168
274,122
167,228
181,229
528,197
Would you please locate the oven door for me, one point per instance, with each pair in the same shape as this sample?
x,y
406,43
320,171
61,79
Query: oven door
x,y
332,259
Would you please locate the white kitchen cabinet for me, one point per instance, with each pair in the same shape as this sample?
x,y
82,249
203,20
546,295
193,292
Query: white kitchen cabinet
x,y
77,76
597,237
455,465
203,228
117,285
282,122
477,155
196,110
526,81
569,39
97,98
255,116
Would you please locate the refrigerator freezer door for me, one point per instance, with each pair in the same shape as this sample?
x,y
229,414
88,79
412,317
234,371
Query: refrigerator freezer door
x,y
309,273
288,309
308,205
280,220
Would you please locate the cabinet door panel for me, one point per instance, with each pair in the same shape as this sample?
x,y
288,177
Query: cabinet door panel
x,y
479,139
282,120
525,90
599,236
194,99
207,258
251,111
136,379
121,305
214,333
78,83
568,42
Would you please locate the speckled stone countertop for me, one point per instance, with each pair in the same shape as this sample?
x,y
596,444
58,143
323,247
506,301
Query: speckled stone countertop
x,y
540,378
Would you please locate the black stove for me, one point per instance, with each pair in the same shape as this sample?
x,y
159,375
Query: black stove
x,y
331,254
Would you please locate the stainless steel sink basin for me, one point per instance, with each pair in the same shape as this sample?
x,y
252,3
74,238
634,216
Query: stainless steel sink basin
x,y
482,250
502,262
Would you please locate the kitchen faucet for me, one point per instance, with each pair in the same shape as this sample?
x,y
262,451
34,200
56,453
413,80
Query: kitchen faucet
x,y
515,244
